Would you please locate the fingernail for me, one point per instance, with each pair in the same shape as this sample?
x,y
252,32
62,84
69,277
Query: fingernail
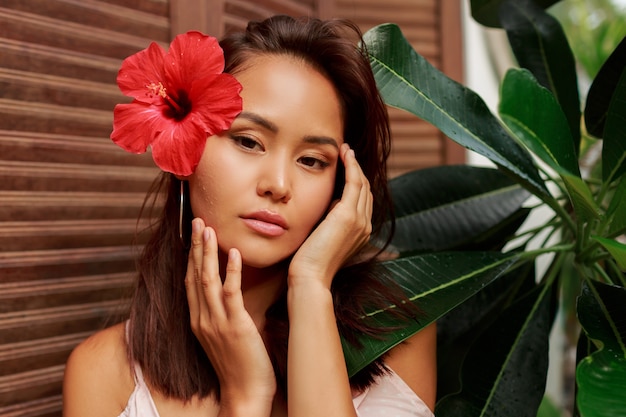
x,y
206,234
196,226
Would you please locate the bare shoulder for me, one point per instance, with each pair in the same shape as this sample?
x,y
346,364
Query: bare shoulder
x,y
98,378
415,361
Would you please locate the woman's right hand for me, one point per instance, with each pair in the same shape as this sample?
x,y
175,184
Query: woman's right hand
x,y
225,329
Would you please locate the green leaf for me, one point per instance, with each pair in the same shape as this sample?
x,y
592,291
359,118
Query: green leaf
x,y
614,146
547,408
486,12
616,249
601,376
495,238
407,81
504,374
617,209
540,45
457,330
436,283
601,90
581,198
534,116
443,207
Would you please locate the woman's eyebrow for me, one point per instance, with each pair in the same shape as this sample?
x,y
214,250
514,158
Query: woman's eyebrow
x,y
321,140
259,120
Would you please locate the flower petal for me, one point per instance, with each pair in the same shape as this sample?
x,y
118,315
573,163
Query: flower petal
x,y
216,101
179,148
135,125
191,56
140,71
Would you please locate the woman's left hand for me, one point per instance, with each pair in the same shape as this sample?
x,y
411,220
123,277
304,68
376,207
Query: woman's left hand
x,y
344,230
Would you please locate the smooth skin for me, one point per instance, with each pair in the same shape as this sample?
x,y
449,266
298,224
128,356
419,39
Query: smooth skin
x,y
235,272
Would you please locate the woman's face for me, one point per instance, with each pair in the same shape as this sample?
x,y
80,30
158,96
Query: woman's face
x,y
265,183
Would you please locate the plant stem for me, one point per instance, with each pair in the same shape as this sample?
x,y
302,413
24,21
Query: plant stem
x,y
586,252
532,254
617,271
602,273
553,203
580,240
552,223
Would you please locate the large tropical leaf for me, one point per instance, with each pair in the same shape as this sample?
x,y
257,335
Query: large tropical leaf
x,y
437,283
497,237
540,45
614,146
617,209
536,119
457,330
408,81
486,12
534,116
504,373
601,376
601,90
443,207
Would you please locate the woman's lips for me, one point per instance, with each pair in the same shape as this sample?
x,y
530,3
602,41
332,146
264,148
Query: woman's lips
x,y
266,223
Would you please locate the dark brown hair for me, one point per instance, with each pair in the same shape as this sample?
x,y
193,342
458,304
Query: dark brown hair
x,y
161,340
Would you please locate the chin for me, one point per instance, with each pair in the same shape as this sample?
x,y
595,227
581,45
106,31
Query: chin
x,y
265,263
260,253
263,259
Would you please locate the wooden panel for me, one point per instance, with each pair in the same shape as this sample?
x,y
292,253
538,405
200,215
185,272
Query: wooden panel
x,y
433,29
69,198
237,13
96,14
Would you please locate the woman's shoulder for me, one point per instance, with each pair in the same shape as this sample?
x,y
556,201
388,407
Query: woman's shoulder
x,y
98,375
415,361
102,349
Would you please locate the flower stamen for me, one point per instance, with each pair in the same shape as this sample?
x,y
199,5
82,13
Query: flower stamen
x,y
159,89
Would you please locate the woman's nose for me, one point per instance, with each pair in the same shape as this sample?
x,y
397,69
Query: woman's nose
x,y
274,181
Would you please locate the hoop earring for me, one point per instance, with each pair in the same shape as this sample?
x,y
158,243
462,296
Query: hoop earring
x,y
180,211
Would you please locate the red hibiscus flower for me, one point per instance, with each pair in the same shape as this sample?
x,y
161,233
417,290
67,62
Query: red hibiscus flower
x,y
180,98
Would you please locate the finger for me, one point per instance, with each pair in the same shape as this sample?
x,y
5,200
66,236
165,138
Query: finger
x,y
364,204
210,284
194,298
354,178
197,248
369,208
190,287
357,182
365,191
233,299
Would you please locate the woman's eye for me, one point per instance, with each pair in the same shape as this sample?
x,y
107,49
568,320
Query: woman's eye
x,y
247,143
313,162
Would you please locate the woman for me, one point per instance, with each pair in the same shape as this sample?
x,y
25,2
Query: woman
x,y
259,261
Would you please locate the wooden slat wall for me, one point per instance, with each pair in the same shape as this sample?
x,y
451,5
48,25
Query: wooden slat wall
x,y
69,198
237,13
433,28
